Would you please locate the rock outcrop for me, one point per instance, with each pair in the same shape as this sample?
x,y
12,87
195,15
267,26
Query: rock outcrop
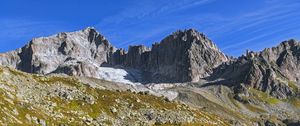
x,y
137,56
273,70
286,57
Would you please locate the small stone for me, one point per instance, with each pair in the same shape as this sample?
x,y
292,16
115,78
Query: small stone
x,y
28,117
15,111
167,99
113,110
42,122
146,92
131,105
117,100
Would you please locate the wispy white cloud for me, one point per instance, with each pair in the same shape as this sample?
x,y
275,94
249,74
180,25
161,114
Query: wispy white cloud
x,y
149,8
142,21
146,21
15,33
286,29
251,19
17,28
255,27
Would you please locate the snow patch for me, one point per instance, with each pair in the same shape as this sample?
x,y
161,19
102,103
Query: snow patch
x,y
133,77
128,76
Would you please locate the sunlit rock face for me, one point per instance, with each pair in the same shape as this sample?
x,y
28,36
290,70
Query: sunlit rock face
x,y
185,56
81,51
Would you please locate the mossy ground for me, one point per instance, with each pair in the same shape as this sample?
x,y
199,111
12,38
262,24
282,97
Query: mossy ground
x,y
263,97
294,101
293,86
254,108
233,101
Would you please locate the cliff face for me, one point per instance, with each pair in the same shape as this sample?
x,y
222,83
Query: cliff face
x,y
184,56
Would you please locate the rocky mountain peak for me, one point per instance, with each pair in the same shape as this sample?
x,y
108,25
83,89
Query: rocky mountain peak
x,y
183,56
49,54
192,35
90,29
289,43
273,70
186,55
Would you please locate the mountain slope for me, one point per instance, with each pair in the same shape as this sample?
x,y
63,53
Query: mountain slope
x,y
53,100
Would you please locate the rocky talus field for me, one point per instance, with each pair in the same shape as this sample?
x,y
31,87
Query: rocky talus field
x,y
80,78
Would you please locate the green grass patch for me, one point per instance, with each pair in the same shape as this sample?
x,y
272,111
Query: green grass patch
x,y
107,99
293,85
294,101
16,72
254,108
233,101
1,70
55,79
263,96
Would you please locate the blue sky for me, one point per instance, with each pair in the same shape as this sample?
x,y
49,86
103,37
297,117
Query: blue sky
x,y
234,25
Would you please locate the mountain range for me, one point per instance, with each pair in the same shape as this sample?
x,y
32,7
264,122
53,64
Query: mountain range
x,y
257,88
